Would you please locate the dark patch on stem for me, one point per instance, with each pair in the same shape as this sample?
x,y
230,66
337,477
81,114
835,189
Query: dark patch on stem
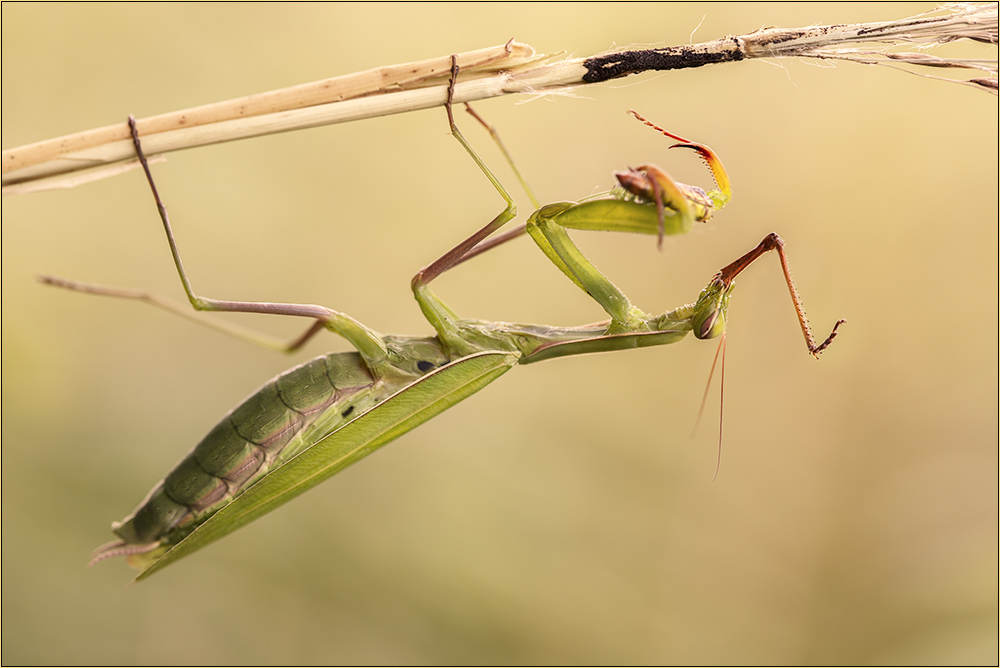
x,y
623,63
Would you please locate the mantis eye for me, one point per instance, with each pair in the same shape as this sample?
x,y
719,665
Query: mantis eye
x,y
711,323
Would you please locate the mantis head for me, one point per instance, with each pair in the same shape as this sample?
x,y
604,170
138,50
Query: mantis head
x,y
708,317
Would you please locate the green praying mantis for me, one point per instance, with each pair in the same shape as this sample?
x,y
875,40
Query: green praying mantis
x,y
315,419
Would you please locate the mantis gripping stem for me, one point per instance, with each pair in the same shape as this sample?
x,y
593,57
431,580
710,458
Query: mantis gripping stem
x,y
463,251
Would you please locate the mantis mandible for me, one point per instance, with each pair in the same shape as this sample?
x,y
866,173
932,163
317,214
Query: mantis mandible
x,y
315,419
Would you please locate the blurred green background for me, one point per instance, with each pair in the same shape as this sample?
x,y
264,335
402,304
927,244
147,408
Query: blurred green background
x,y
563,515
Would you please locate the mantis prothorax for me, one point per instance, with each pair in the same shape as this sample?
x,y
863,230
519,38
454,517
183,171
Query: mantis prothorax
x,y
317,418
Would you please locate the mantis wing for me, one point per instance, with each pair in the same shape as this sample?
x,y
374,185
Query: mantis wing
x,y
414,404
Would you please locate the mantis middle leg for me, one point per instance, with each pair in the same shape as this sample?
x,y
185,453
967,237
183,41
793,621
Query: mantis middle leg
x,y
555,243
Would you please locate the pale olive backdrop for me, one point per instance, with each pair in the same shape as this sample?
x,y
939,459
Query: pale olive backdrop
x,y
563,514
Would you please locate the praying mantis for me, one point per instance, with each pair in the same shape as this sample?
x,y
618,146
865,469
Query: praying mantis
x,y
312,421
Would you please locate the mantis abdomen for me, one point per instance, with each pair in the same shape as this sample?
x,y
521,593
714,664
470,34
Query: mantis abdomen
x,y
287,414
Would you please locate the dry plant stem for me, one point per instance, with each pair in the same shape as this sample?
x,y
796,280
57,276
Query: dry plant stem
x,y
502,70
77,178
326,91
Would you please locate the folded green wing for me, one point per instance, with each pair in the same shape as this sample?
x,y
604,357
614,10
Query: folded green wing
x,y
401,412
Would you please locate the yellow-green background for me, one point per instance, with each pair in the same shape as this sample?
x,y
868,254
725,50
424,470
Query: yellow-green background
x,y
562,515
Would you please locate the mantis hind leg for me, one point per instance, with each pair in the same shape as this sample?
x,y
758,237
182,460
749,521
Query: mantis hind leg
x,y
224,326
368,343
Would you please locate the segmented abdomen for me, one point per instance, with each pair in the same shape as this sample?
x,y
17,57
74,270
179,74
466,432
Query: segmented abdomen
x,y
286,415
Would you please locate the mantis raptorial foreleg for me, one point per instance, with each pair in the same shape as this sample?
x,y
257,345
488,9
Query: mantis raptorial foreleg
x,y
553,241
773,242
676,203
546,227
